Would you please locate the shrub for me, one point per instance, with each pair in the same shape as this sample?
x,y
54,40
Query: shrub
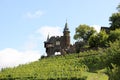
x,y
99,40
114,35
79,45
113,53
114,74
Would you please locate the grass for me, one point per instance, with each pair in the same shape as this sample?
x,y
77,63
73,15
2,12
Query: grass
x,y
95,76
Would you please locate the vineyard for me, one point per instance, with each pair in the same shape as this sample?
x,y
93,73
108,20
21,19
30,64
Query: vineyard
x,y
89,65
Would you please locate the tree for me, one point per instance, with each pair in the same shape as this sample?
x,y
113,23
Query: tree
x,y
84,32
115,21
118,7
114,35
103,39
98,40
93,41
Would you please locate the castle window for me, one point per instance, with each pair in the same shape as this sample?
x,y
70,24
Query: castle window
x,y
57,42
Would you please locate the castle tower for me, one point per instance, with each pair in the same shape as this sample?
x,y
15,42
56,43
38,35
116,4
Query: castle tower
x,y
66,36
58,43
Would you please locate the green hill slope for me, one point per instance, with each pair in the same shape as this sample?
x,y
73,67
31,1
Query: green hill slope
x,y
89,65
71,66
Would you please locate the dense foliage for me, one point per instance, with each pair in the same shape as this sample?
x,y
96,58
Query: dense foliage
x,y
115,21
99,39
113,61
114,35
83,32
114,74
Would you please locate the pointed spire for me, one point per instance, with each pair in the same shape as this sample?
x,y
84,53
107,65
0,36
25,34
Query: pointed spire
x,y
48,37
66,26
66,20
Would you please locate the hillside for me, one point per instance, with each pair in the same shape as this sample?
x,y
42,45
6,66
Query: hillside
x,y
68,66
89,65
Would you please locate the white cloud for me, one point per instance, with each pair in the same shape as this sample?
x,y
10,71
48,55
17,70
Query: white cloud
x,y
11,57
36,14
44,31
31,43
97,27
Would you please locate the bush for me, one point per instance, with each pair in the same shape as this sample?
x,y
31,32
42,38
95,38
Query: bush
x,y
42,57
113,53
114,74
114,35
99,40
79,45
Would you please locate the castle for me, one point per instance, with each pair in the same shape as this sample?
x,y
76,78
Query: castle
x,y
62,43
58,43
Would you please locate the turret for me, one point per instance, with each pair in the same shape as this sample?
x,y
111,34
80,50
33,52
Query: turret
x,y
66,35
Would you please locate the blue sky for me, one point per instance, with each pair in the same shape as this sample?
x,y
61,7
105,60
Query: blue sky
x,y
24,24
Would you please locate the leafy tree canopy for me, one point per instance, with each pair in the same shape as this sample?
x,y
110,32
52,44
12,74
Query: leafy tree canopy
x,y
115,21
118,7
84,32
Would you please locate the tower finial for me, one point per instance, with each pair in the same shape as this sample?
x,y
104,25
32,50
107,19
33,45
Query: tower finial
x,y
66,26
48,37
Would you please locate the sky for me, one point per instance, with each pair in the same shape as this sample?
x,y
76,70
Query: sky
x,y
25,24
